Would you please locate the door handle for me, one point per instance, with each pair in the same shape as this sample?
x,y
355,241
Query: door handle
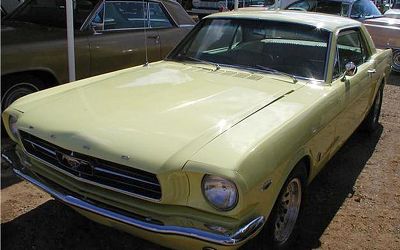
x,y
372,71
156,37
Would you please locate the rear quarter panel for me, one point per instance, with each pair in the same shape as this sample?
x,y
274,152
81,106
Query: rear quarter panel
x,y
47,54
385,35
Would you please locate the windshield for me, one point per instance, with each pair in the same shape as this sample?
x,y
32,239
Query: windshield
x,y
364,9
328,7
52,12
290,48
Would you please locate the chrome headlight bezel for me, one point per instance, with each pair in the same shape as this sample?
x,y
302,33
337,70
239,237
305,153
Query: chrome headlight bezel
x,y
212,198
12,126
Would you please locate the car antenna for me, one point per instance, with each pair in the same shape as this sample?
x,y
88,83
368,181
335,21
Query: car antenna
x,y
145,23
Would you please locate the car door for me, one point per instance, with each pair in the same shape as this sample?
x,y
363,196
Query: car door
x,y
353,91
164,24
121,36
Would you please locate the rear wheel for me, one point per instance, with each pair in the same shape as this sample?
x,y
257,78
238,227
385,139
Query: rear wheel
x,y
371,122
281,229
15,87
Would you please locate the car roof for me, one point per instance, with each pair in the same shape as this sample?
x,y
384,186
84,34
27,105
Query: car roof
x,y
324,21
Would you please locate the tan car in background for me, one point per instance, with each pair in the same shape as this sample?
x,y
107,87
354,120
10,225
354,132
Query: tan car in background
x,y
385,31
109,35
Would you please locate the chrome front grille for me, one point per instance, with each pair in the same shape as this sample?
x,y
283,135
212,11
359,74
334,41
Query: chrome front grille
x,y
93,170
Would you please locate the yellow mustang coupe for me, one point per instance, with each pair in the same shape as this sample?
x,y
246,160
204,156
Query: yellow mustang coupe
x,y
205,149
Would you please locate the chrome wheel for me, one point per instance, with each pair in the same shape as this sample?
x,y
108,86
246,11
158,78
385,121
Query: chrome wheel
x,y
288,211
396,60
17,91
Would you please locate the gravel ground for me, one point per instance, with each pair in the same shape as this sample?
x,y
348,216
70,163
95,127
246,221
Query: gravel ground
x,y
353,204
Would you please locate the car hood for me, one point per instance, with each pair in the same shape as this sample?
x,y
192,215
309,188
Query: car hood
x,y
156,116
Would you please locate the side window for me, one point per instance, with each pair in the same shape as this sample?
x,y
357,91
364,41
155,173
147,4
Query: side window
x,y
300,5
124,15
363,9
158,18
98,18
238,37
329,7
345,10
350,48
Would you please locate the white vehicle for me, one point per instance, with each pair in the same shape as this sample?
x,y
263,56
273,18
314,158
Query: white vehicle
x,y
205,7
394,12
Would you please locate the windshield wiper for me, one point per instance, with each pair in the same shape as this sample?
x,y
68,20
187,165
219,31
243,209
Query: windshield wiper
x,y
293,77
190,58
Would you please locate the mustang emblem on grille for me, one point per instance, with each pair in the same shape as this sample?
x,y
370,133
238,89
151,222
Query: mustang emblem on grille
x,y
78,166
73,162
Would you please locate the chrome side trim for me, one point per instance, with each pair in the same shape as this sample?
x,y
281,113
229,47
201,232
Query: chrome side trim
x,y
382,26
186,26
244,233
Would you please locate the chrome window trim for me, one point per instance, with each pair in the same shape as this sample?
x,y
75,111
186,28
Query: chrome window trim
x,y
336,37
175,23
88,181
328,52
92,15
168,15
186,26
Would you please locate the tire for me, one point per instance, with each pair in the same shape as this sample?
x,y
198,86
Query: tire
x,y
371,121
396,60
276,234
18,86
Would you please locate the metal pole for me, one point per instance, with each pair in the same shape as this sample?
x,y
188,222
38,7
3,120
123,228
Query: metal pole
x,y
278,4
236,6
70,39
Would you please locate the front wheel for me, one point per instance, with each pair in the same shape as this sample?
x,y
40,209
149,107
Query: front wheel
x,y
281,229
288,210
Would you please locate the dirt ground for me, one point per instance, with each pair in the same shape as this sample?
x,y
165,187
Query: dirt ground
x,y
353,204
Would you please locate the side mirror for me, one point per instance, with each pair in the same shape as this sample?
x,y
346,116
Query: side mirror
x,y
97,27
351,69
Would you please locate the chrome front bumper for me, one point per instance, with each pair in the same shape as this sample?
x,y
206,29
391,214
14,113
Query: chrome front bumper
x,y
244,233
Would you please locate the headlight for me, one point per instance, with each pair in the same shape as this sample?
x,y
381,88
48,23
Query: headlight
x,y
12,123
221,193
